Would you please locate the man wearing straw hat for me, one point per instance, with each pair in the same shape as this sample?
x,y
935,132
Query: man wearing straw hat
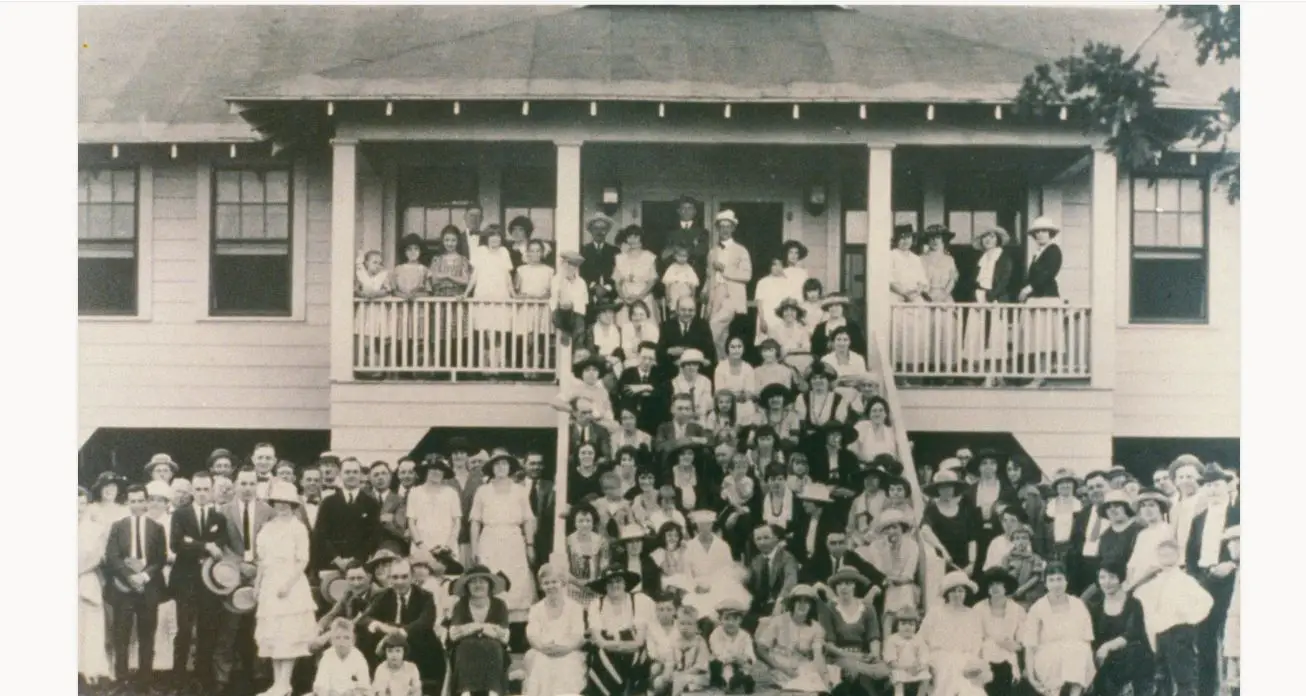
x,y
600,257
731,269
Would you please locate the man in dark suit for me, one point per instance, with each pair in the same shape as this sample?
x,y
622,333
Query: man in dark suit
x,y
837,556
689,233
466,480
585,430
199,531
1085,531
348,523
1207,559
410,611
600,257
680,428
772,573
681,332
543,505
245,516
813,523
136,552
638,388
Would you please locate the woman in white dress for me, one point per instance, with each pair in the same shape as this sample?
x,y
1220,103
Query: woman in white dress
x,y
1152,508
735,375
634,273
284,625
770,292
794,252
502,529
434,508
941,272
711,568
908,283
875,434
1058,638
92,536
534,281
555,628
491,282
954,633
640,328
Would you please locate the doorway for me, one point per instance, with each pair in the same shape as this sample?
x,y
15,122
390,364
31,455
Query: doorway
x,y
657,218
761,231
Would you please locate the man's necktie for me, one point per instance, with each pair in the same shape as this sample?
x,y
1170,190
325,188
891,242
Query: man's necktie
x,y
140,539
249,545
399,615
203,516
765,573
684,328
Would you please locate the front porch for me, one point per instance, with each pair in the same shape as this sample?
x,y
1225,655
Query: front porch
x,y
839,200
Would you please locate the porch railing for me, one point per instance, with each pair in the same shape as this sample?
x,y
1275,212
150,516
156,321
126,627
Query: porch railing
x,y
967,340
447,338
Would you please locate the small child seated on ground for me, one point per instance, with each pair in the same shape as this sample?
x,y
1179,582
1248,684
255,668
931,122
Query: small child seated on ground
x,y
396,676
690,659
907,654
733,657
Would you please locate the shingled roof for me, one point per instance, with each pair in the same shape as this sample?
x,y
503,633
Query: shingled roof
x,y
166,73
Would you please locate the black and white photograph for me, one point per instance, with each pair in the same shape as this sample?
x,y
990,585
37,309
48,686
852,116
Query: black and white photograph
x,y
659,350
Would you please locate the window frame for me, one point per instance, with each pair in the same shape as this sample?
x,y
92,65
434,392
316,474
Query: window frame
x,y
512,199
142,244
457,207
1201,254
292,232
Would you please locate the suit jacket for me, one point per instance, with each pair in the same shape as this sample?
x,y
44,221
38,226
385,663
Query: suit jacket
x,y
1221,589
418,621
849,473
830,521
821,339
598,262
1003,272
544,506
650,407
1042,275
119,548
696,239
346,530
665,438
670,335
597,435
188,542
820,568
769,588
260,514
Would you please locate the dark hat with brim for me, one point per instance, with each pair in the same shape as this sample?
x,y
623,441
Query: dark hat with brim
x,y
938,231
1214,473
514,465
435,463
497,581
848,574
1001,575
1154,496
600,584
847,432
822,369
973,465
411,240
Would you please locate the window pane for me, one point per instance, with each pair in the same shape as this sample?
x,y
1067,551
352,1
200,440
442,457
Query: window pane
x,y
436,219
101,221
278,186
1167,194
251,284
1167,229
1144,229
984,219
907,217
1190,230
1144,194
101,186
106,285
1168,290
83,185
251,222
959,223
124,222
1190,195
227,221
854,228
251,187
124,186
543,219
414,221
228,186
278,221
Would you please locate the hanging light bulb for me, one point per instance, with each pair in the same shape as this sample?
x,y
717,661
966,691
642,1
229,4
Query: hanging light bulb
x,y
795,112
861,112
727,111
331,108
525,108
929,113
662,110
457,108
173,151
389,108
997,112
1065,113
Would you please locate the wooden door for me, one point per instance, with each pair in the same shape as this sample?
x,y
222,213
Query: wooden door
x,y
761,231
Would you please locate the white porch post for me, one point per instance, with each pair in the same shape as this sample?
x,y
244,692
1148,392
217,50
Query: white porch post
x,y
344,173
879,219
566,229
1102,351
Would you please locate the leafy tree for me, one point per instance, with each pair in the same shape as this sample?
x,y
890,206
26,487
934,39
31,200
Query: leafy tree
x,y
1114,93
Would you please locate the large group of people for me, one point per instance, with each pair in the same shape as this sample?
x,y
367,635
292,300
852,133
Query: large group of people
x,y
734,513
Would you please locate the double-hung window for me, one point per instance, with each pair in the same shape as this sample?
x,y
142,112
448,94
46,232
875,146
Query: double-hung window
x,y
107,241
251,271
1169,250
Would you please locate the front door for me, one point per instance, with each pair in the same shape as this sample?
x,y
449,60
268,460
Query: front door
x,y
761,231
658,218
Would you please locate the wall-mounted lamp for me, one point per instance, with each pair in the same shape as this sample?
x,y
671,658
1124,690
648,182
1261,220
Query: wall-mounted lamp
x,y
611,200
814,199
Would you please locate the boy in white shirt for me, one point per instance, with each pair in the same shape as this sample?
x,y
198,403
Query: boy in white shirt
x,y
569,298
661,639
732,650
342,670
680,279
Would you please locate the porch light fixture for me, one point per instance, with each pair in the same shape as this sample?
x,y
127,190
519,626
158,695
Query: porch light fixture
x,y
389,108
795,112
1064,113
662,110
113,151
525,108
594,108
611,200
929,113
997,112
331,108
457,108
173,151
727,111
861,112
815,198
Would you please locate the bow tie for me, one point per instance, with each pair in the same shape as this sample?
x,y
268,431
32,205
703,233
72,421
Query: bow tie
x,y
313,499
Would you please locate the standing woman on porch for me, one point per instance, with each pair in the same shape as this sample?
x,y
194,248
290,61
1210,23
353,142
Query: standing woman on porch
x,y
941,272
450,274
908,284
492,281
634,273
986,327
1045,338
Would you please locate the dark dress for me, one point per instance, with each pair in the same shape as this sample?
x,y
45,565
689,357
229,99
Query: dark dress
x,y
580,487
1132,664
1114,548
955,533
479,663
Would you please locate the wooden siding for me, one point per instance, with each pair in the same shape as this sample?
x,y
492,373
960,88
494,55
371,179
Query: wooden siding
x,y
384,421
1070,428
1183,380
180,368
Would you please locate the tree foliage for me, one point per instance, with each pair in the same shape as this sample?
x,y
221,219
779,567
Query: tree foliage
x,y
1114,93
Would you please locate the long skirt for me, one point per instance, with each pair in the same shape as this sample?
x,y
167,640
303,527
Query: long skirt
x,y
1044,332
502,549
1062,662
92,659
554,676
615,673
864,672
944,338
948,667
479,664
985,336
910,336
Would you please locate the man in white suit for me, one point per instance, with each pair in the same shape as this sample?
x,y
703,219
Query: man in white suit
x,y
731,268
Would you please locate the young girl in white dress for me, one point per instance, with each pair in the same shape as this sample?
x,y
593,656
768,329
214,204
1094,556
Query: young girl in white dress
x,y
492,282
534,281
680,279
371,282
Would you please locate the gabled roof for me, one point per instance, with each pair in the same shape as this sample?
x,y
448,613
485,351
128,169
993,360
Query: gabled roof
x,y
164,73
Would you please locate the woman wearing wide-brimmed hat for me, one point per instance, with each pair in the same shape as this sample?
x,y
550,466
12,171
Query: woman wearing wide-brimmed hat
x,y
1001,620
634,549
953,632
896,554
1116,542
618,622
434,509
792,254
792,644
478,633
690,380
1044,340
821,404
950,521
791,333
836,307
503,531
1152,507
941,276
1058,638
775,406
854,639
284,623
985,343
909,336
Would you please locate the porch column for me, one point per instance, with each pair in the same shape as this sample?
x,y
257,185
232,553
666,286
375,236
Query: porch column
x,y
1102,334
344,174
879,220
566,230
